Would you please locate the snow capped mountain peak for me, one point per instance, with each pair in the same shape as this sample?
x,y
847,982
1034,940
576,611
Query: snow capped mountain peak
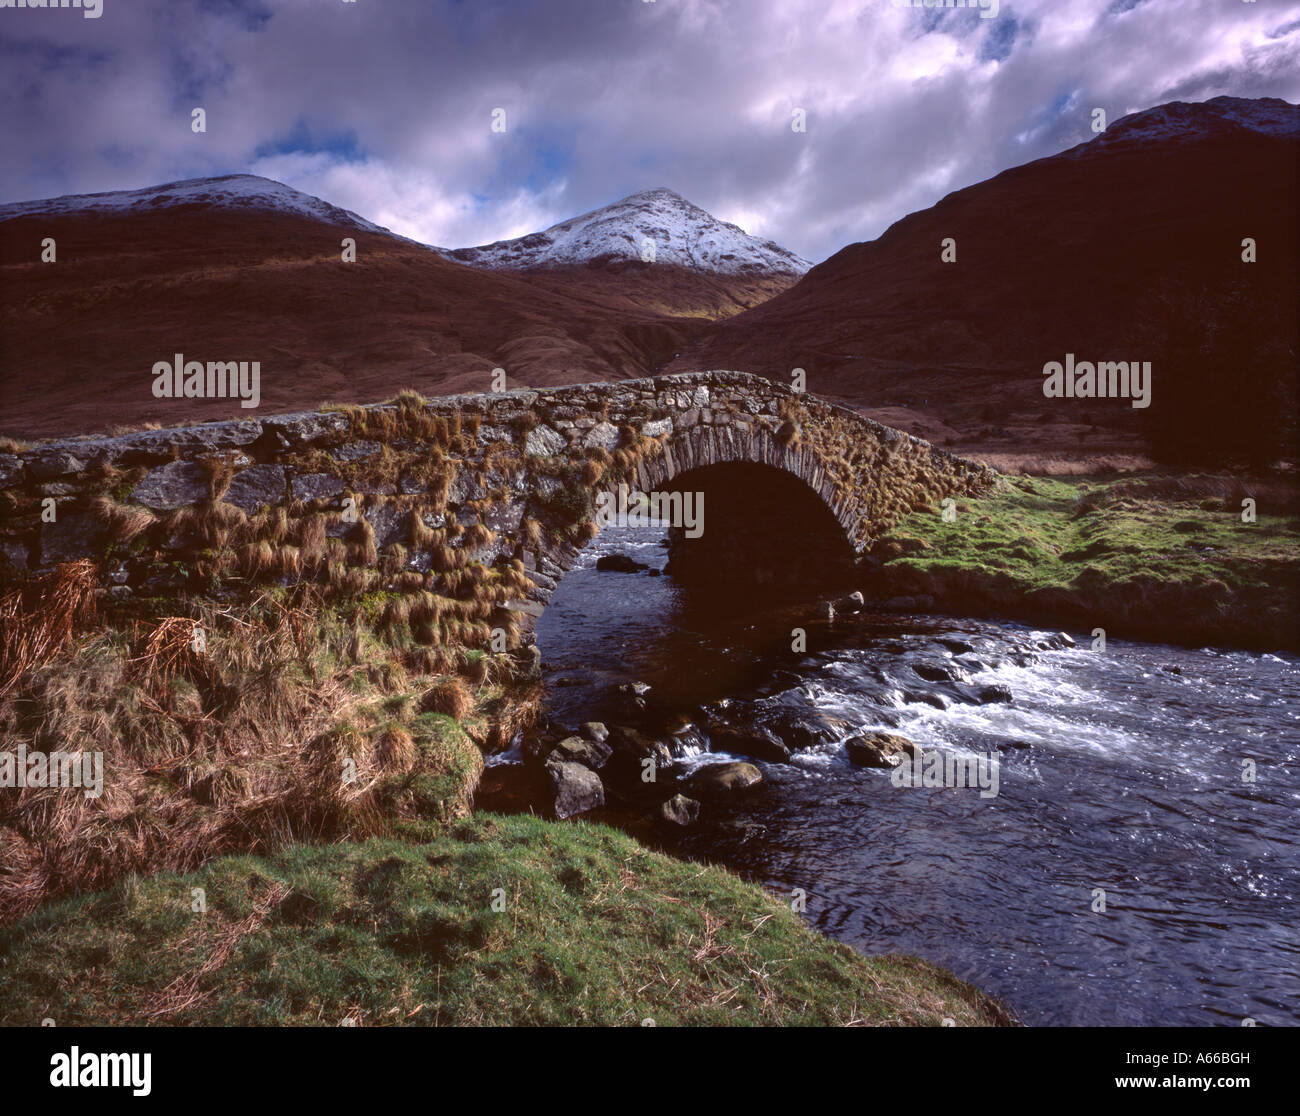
x,y
231,192
682,234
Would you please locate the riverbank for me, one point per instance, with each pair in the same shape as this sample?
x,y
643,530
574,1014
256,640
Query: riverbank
x,y
498,921
1154,557
315,730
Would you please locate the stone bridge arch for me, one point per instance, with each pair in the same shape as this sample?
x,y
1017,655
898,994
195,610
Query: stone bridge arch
x,y
473,505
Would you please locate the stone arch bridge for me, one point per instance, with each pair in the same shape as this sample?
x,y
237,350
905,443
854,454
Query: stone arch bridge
x,y
458,495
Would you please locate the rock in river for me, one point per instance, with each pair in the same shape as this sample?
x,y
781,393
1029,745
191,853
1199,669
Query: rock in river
x,y
575,749
679,811
720,779
878,749
619,563
577,789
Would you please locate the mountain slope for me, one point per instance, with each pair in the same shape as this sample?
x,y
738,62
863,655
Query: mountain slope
x,y
246,269
1124,248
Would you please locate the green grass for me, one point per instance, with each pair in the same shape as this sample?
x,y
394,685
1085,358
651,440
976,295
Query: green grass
x,y
1161,557
596,930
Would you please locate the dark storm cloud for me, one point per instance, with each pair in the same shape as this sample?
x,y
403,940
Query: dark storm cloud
x,y
385,107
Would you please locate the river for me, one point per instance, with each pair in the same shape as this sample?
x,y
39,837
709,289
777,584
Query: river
x,y
1124,771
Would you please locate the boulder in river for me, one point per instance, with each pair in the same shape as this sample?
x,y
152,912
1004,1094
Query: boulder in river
x,y
718,780
955,645
935,672
589,753
594,730
854,602
736,728
632,748
577,789
995,694
632,696
679,812
619,563
879,749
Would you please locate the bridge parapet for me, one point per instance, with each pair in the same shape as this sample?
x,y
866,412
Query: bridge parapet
x,y
466,494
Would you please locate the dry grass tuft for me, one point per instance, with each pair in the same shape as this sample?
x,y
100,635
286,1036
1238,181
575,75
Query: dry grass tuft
x,y
40,618
450,696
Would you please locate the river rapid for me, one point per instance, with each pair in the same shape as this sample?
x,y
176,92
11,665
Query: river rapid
x,y
1127,871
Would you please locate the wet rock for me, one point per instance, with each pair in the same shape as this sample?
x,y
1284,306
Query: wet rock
x,y
995,694
171,486
632,748
632,697
679,812
934,672
797,723
594,730
737,728
956,646
574,749
1065,638
854,602
925,697
718,780
685,735
512,788
619,563
879,749
576,789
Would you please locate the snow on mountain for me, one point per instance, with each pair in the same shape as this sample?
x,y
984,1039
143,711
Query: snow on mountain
x,y
232,191
683,235
1182,121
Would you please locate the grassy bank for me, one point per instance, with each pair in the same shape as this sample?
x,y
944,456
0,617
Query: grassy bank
x,y
296,718
596,930
1146,557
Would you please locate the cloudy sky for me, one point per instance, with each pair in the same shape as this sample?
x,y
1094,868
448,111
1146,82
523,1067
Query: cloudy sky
x,y
385,106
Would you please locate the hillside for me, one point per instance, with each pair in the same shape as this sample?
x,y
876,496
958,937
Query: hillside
x,y
242,268
1124,248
